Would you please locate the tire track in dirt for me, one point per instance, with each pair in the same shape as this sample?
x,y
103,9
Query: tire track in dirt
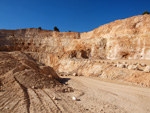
x,y
65,103
21,83
11,103
5,94
52,100
60,102
26,95
36,102
15,106
3,97
107,96
40,99
8,101
69,105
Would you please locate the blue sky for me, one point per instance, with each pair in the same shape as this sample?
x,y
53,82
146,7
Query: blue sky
x,y
74,15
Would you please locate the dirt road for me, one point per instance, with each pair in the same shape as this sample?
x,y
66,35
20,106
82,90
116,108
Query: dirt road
x,y
94,96
99,96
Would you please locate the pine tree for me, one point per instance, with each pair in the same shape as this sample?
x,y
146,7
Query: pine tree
x,y
56,29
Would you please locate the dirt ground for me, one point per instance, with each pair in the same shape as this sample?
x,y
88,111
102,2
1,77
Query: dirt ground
x,y
26,86
99,96
93,96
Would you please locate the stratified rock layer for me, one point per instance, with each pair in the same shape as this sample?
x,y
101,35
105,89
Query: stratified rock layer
x,y
122,39
64,51
128,38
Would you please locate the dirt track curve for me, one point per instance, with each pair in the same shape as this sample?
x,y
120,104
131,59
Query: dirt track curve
x,y
94,96
99,96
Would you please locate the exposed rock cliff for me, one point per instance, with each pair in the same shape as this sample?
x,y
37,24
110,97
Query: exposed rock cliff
x,y
122,39
64,51
128,38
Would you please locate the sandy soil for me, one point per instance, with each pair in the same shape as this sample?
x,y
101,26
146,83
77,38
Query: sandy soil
x,y
94,96
26,86
99,96
37,101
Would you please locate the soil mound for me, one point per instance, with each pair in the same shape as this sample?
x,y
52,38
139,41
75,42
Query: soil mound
x,y
27,86
17,67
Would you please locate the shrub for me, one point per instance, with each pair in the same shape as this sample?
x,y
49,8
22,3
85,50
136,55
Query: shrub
x,y
146,12
40,28
56,29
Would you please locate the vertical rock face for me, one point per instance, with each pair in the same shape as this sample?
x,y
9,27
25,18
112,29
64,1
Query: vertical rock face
x,y
126,39
81,53
122,39
66,45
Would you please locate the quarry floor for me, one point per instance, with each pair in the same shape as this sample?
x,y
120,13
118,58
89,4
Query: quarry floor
x,y
93,96
99,96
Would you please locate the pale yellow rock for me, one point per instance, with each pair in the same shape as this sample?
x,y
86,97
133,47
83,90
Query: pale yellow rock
x,y
122,39
133,67
147,69
121,65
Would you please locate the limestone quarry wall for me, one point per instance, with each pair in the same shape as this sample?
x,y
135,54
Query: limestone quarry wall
x,y
122,39
126,39
72,52
65,44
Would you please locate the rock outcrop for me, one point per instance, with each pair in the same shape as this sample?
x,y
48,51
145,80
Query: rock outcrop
x,y
126,38
121,39
72,52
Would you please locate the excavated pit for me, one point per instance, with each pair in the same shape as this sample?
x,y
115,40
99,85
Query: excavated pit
x,y
32,59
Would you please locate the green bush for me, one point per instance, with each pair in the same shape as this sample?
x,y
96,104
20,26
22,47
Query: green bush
x,y
146,12
40,28
56,29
